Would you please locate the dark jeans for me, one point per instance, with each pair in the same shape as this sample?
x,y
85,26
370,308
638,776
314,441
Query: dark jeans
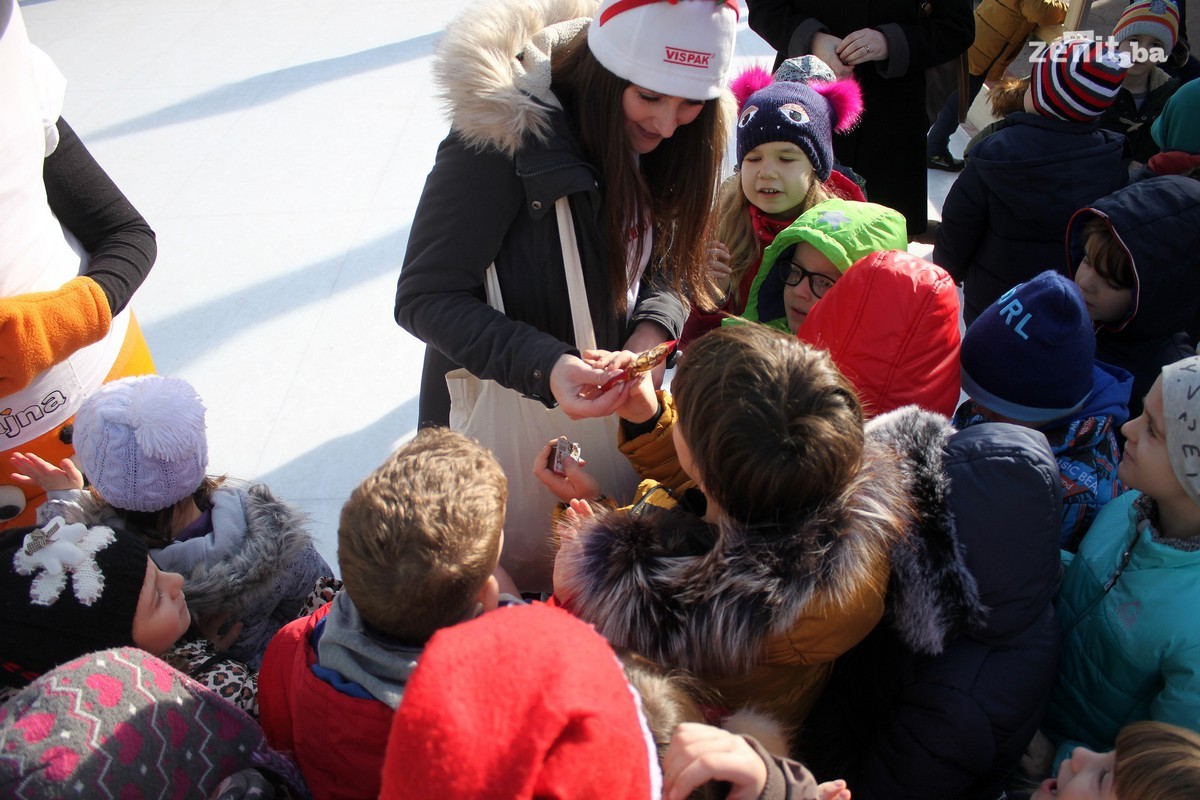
x,y
938,139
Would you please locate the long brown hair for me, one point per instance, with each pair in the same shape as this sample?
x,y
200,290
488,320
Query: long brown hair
x,y
670,189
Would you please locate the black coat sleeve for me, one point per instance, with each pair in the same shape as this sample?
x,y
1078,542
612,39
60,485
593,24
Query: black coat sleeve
x,y
786,25
87,202
469,203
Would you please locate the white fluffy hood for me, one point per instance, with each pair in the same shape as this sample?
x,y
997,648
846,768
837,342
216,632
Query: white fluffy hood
x,y
492,67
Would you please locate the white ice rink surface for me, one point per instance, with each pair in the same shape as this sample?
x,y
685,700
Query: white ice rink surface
x,y
278,149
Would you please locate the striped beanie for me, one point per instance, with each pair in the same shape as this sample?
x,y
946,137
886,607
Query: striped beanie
x,y
1076,80
1156,18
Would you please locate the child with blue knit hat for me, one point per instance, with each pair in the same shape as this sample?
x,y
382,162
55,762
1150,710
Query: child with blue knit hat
x,y
1029,359
247,558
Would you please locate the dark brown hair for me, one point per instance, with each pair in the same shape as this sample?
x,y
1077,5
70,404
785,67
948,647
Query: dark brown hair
x,y
773,427
670,188
157,528
1105,254
420,536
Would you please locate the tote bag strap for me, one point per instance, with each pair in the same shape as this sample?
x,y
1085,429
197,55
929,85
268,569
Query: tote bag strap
x,y
581,315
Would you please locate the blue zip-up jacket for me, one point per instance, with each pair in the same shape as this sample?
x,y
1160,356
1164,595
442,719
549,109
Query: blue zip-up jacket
x,y
1085,449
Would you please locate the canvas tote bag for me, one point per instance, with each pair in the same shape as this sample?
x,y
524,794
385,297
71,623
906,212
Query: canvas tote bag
x,y
515,428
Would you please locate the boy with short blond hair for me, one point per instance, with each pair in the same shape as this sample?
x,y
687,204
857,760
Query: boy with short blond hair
x,y
419,539
419,544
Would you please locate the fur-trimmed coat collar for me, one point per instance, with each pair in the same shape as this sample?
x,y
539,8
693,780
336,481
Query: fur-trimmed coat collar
x,y
493,68
669,586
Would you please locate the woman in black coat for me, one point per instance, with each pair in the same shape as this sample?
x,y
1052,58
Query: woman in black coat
x,y
887,45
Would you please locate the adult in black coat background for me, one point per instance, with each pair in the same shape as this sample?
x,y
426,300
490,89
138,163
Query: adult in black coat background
x,y
887,45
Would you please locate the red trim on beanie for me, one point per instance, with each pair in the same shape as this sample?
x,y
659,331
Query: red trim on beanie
x,y
629,5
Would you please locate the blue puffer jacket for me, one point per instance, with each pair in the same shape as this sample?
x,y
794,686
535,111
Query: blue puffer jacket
x,y
899,723
1085,447
1158,223
1131,652
1005,217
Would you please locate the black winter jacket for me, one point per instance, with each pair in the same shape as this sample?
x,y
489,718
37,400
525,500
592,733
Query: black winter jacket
x,y
511,153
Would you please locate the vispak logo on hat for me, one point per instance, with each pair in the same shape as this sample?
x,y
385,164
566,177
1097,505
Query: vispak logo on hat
x,y
675,47
687,58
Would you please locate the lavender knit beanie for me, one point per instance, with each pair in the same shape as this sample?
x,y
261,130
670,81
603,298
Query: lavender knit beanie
x,y
141,441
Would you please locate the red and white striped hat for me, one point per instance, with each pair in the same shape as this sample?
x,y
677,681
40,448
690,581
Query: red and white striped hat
x,y
1077,79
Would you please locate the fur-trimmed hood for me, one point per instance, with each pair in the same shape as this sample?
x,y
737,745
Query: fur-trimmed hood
x,y
679,591
673,588
259,563
492,68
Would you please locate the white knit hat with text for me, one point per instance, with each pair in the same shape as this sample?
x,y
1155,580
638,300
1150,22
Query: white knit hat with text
x,y
674,47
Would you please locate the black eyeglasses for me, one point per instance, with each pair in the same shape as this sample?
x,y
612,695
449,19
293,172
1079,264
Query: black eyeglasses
x,y
820,284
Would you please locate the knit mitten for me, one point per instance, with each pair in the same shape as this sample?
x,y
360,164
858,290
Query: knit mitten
x,y
41,329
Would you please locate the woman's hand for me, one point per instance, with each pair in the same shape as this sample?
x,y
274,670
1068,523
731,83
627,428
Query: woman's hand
x,y
573,484
826,46
571,375
32,470
865,44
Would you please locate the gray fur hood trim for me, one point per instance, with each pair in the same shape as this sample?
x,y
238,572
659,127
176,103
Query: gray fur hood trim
x,y
665,584
276,535
933,596
492,68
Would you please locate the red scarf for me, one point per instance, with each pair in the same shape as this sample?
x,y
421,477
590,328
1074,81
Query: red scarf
x,y
766,228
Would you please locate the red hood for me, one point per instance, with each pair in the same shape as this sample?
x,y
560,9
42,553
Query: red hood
x,y
891,325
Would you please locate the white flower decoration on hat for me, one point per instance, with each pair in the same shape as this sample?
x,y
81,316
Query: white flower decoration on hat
x,y
59,549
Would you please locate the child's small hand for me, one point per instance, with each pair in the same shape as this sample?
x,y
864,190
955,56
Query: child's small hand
x,y
641,403
574,483
701,753
719,266
833,790
32,470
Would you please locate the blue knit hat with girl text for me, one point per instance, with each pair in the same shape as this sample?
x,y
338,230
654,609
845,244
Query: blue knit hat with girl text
x,y
1029,356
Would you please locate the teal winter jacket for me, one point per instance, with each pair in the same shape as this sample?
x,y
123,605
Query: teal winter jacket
x,y
1131,647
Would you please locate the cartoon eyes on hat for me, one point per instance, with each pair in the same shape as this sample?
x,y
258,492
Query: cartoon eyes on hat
x,y
794,112
747,115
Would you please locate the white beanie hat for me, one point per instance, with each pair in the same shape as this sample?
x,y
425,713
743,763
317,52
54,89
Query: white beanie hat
x,y
141,441
674,47
1181,415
